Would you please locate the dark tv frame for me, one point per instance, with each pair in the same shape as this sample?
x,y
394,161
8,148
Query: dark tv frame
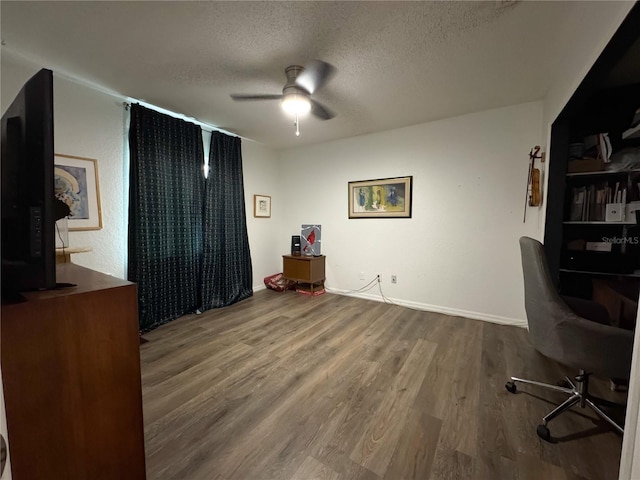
x,y
28,223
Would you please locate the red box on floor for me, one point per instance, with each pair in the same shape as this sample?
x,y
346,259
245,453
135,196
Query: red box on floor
x,y
311,293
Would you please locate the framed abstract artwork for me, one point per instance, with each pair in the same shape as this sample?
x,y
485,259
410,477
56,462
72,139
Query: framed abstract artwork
x,y
382,198
76,184
262,206
311,240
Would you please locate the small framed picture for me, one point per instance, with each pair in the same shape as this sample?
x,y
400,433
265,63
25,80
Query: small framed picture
x,y
76,184
262,206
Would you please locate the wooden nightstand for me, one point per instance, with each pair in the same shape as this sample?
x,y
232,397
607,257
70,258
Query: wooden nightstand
x,y
307,270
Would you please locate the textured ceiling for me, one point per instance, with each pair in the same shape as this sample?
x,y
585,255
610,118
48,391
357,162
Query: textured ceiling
x,y
398,63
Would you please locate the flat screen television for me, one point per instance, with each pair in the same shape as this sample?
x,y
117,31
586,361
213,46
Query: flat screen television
x,y
28,201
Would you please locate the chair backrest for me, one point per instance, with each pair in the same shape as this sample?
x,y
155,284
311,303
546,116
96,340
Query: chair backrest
x,y
559,333
542,302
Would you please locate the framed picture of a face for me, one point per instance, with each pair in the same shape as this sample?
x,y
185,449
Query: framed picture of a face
x,y
76,184
262,206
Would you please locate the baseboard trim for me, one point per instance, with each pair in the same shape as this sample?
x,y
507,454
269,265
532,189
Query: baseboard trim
x,y
436,308
257,288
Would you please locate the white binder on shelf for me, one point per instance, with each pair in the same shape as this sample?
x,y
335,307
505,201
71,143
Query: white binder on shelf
x,y
614,212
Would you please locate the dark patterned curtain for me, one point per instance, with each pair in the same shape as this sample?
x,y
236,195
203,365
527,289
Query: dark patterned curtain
x,y
226,263
165,215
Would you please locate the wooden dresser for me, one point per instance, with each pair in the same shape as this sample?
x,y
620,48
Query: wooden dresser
x,y
71,374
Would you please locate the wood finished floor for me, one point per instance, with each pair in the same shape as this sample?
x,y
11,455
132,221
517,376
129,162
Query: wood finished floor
x,y
284,386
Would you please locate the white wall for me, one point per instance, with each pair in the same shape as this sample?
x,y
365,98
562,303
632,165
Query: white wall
x,y
459,252
261,177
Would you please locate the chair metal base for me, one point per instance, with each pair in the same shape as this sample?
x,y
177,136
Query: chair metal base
x,y
578,393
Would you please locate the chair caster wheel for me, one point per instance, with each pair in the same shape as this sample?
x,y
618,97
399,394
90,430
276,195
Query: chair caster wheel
x,y
543,432
510,386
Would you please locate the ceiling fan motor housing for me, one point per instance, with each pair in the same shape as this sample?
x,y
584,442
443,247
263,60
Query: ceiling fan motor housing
x,y
291,87
292,72
295,99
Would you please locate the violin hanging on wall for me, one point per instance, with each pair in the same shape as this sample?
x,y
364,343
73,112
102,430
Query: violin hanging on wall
x,y
533,196
534,186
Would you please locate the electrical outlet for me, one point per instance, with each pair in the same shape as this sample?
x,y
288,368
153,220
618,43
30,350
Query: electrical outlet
x,y
394,279
379,279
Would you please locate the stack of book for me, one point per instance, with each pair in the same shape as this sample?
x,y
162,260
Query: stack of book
x,y
588,203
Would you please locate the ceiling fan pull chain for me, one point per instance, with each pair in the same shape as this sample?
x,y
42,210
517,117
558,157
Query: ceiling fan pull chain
x,y
297,126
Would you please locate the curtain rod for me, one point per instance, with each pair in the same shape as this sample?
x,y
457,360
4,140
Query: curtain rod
x,y
208,128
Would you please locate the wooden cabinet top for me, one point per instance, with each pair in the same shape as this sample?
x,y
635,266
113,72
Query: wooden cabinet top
x,y
84,279
303,257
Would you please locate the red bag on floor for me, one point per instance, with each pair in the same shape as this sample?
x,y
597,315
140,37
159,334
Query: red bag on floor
x,y
277,282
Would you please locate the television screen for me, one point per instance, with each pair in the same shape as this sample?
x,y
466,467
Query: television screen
x,y
28,223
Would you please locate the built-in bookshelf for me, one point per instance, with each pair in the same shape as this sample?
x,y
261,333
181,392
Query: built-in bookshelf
x,y
591,237
599,227
603,197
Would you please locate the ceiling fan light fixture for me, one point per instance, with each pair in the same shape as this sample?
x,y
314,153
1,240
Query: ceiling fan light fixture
x,y
296,104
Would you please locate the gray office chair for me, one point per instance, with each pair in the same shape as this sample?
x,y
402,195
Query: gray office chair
x,y
569,337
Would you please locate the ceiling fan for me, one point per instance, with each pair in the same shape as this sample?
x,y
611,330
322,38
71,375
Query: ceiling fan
x,y
302,82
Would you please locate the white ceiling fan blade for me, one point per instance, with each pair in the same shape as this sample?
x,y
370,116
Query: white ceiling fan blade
x,y
239,96
315,75
320,111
